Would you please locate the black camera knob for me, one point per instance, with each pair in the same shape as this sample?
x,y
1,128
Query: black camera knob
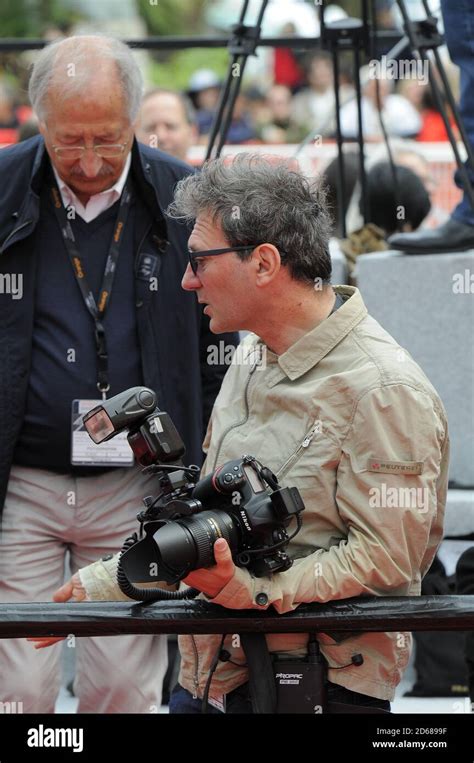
x,y
228,478
146,398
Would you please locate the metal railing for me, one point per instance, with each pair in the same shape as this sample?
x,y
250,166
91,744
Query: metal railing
x,y
168,42
415,613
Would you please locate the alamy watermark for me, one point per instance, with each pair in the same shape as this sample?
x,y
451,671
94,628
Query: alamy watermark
x,y
42,736
394,69
385,497
463,283
12,283
11,708
222,354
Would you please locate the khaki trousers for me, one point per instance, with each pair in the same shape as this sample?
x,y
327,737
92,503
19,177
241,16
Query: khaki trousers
x,y
45,514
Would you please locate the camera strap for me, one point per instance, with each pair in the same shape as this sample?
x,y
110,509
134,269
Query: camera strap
x,y
97,311
261,676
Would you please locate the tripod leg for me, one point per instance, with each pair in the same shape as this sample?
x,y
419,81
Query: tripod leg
x,y
240,54
232,97
360,138
216,125
341,206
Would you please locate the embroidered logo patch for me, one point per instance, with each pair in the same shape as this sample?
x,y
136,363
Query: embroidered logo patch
x,y
394,467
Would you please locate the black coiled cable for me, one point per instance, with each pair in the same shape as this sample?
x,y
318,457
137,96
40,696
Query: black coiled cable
x,y
148,594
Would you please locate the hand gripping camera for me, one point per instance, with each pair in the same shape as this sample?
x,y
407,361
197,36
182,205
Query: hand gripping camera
x,y
240,501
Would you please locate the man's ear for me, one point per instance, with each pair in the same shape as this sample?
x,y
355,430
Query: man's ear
x,y
268,263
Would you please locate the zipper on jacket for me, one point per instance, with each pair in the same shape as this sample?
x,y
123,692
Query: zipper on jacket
x,y
17,230
301,447
226,432
234,426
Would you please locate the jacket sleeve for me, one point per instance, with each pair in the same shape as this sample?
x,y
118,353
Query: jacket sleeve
x,y
100,581
393,520
215,357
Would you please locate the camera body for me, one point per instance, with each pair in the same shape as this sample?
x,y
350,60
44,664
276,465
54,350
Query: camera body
x,y
240,488
240,501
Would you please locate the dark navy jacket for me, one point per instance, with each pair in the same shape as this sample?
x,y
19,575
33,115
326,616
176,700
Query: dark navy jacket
x,y
173,333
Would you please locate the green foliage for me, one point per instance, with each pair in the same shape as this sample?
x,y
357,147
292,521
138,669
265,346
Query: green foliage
x,y
16,19
177,69
29,18
179,18
169,17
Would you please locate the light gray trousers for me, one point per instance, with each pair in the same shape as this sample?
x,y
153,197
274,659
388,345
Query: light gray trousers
x,y
45,514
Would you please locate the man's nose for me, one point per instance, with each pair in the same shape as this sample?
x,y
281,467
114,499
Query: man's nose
x,y
190,282
90,163
162,137
161,132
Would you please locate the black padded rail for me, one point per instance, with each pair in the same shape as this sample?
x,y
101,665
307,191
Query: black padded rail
x,y
426,613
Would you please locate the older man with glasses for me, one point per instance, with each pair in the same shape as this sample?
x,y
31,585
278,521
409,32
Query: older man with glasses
x,y
82,230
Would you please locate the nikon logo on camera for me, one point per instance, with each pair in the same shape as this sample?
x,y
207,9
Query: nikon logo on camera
x,y
245,520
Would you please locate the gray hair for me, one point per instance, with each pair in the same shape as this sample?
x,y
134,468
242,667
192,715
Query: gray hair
x,y
188,108
261,199
82,53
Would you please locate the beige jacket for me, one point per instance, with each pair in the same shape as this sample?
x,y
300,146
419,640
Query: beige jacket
x,y
350,419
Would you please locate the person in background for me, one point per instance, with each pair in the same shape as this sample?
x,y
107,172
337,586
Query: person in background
x,y
28,129
400,117
9,122
465,587
288,67
313,106
167,120
279,125
203,89
457,233
396,206
84,239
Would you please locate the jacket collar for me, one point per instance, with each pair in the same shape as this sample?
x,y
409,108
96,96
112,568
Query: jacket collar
x,y
150,191
41,165
308,351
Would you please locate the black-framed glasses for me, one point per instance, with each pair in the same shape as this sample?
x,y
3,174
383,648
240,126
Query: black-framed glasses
x,y
107,151
194,256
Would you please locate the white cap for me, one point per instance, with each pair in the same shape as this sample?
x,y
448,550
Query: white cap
x,y
202,79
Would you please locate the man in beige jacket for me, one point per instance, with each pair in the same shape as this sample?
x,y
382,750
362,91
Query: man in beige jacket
x,y
336,408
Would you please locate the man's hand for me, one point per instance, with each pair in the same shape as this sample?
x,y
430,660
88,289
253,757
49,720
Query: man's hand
x,y
212,580
73,589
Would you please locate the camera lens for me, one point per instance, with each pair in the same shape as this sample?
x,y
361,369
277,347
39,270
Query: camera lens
x,y
186,544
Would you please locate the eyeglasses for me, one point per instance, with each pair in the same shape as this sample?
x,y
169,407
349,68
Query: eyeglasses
x,y
108,151
193,256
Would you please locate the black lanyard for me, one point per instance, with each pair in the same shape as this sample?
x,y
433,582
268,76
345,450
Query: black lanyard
x,y
97,311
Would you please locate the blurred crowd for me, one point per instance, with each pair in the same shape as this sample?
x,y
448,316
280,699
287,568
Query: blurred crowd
x,y
298,103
